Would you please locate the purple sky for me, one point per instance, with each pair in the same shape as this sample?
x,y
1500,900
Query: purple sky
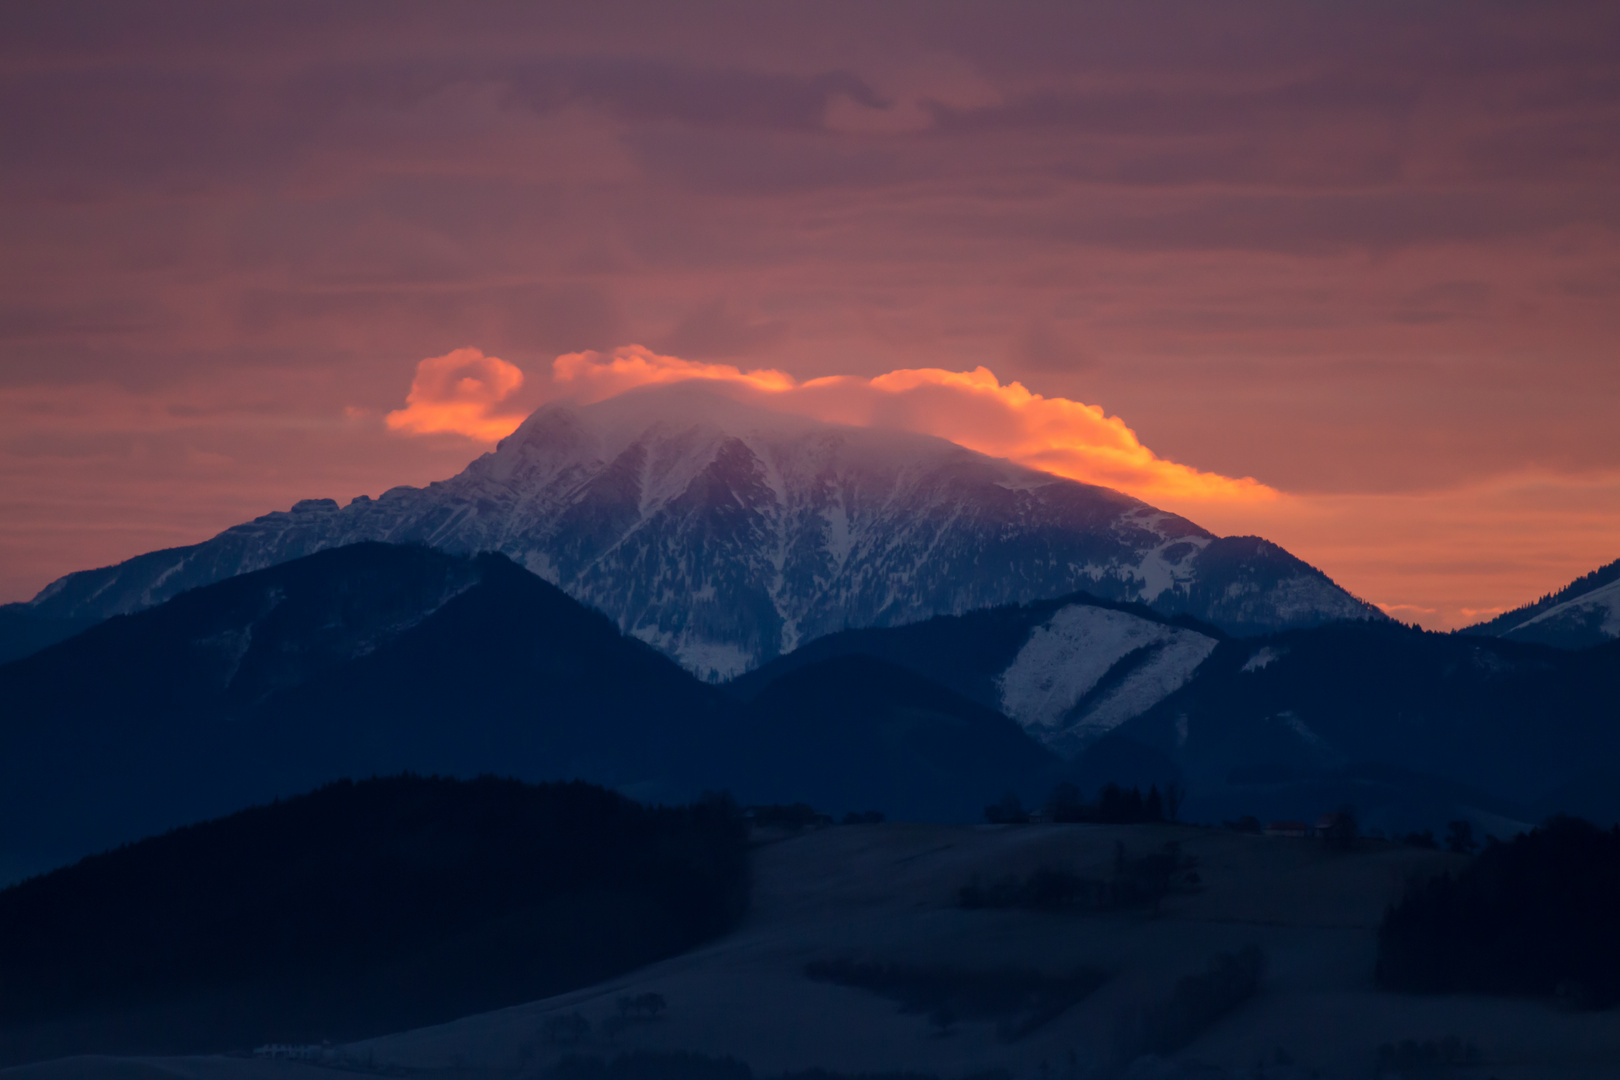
x,y
1366,254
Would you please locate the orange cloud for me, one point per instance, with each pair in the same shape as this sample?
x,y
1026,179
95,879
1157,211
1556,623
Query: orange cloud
x,y
970,408
459,393
592,376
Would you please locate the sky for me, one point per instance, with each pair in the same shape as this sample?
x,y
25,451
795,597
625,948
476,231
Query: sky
x,y
1344,276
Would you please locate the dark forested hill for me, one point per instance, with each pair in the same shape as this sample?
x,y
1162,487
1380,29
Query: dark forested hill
x,y
361,660
861,728
358,909
375,659
24,631
1379,713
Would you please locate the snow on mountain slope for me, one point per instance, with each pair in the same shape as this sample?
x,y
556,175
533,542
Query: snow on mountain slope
x,y
1089,669
1583,631
1590,619
726,534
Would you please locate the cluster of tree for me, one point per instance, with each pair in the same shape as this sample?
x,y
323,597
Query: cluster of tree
x,y
1532,916
1459,839
791,817
1114,806
371,906
796,817
1340,829
1138,882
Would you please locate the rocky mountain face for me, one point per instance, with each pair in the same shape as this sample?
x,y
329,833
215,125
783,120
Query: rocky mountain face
x,y
725,534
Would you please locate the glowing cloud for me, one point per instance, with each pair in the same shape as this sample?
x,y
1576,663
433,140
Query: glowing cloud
x,y
460,394
970,408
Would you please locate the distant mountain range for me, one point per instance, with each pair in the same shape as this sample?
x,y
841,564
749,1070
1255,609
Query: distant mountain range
x,y
1404,724
726,535
1584,613
374,659
1412,728
907,626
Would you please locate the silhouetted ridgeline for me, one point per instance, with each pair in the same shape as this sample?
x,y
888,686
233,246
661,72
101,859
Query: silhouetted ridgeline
x,y
1533,916
1582,585
359,908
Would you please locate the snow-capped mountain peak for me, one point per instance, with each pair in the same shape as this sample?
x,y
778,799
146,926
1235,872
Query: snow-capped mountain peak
x,y
725,534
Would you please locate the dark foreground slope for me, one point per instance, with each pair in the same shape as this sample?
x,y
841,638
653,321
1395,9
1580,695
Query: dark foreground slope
x,y
358,909
1390,717
376,659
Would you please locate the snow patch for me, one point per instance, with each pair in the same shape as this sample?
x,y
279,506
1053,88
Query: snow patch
x,y
1142,688
1159,574
1605,599
713,661
1067,657
1263,656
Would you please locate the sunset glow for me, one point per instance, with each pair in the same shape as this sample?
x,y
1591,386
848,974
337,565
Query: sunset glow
x,y
970,408
1348,282
460,393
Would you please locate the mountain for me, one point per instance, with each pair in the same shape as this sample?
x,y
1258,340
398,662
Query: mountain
x,y
1406,725
725,534
864,732
1067,670
1414,729
24,631
376,659
1584,613
366,659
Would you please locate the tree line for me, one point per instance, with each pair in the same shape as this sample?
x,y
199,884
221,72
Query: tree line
x,y
1114,805
1531,916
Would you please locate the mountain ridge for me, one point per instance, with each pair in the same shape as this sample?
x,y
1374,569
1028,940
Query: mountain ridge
x,y
725,534
1584,613
374,659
